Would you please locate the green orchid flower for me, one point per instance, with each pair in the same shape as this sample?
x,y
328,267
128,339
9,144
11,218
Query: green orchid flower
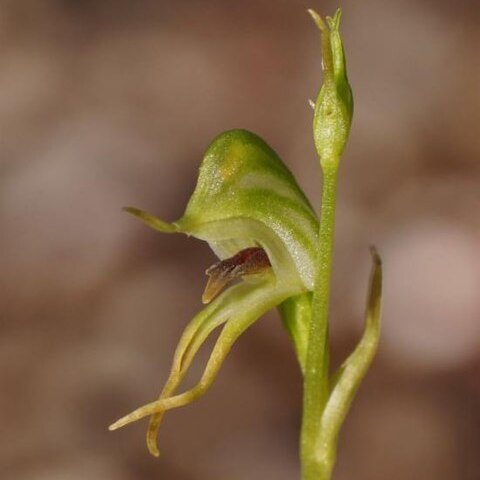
x,y
249,208
273,252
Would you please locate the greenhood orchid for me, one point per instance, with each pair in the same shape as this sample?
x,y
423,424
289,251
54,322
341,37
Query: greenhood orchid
x,y
273,252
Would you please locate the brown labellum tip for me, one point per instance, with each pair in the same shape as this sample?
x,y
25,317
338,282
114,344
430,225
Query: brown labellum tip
x,y
246,262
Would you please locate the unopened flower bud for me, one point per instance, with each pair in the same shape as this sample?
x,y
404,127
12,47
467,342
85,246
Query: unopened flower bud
x,y
334,105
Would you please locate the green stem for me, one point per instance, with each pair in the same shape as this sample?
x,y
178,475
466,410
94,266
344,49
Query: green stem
x,y
317,460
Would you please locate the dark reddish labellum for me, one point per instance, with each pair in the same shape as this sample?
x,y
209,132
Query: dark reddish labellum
x,y
246,262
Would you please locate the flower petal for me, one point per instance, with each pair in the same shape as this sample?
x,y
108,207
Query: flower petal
x,y
238,307
151,220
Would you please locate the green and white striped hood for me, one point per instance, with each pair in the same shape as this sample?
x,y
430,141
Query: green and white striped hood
x,y
246,196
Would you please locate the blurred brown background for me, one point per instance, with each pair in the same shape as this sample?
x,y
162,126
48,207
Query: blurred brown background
x,y
112,103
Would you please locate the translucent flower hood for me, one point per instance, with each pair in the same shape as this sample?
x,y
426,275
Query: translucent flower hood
x,y
246,204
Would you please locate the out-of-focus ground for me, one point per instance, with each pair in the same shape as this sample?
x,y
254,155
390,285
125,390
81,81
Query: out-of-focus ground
x,y
106,104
